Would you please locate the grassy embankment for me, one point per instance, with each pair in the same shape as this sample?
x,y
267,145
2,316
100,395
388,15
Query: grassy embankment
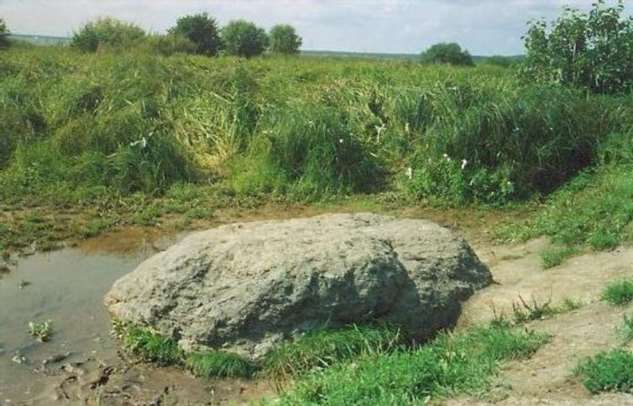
x,y
92,142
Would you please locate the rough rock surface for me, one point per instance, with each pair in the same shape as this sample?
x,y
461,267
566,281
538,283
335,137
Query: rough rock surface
x,y
244,287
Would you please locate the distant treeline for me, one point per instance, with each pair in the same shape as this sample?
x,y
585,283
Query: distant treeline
x,y
56,40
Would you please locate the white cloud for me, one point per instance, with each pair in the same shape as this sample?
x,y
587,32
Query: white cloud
x,y
482,26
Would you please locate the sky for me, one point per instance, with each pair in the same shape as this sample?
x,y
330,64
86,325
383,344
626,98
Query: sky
x,y
484,27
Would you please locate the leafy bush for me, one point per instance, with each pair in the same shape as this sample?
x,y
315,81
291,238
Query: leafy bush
x,y
242,38
107,32
447,53
284,40
610,371
200,29
451,364
4,34
592,50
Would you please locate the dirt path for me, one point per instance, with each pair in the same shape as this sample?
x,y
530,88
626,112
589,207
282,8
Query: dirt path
x,y
546,378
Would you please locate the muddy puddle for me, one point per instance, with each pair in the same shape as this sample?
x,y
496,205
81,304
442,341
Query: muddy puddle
x,y
82,363
67,288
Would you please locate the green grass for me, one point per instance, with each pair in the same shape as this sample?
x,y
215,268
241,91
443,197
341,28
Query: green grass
x,y
450,365
151,347
322,349
625,331
619,293
218,364
610,371
122,129
555,256
296,128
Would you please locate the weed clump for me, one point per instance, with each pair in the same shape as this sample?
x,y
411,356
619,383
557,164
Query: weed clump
x,y
41,330
610,371
618,293
555,256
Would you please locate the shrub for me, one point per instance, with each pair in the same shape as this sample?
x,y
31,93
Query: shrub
x,y
245,39
107,32
610,371
200,29
447,53
284,40
4,34
592,50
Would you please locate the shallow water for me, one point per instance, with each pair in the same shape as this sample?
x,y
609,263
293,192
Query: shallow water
x,y
66,287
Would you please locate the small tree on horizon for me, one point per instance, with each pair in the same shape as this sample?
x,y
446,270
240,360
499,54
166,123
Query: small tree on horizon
x,y
284,40
4,34
591,49
243,38
447,53
107,32
202,30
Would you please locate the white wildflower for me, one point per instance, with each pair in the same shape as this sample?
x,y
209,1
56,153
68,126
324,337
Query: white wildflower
x,y
410,173
464,164
142,142
340,140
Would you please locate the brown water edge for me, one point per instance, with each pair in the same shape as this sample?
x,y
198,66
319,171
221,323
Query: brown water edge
x,y
84,364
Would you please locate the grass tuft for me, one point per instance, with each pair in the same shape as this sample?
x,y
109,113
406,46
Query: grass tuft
x,y
451,364
219,364
619,293
151,347
625,331
610,371
555,256
322,349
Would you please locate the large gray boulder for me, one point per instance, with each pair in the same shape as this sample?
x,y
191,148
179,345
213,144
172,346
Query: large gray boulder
x,y
244,287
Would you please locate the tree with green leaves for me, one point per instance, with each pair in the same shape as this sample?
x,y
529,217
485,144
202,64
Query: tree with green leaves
x,y
107,32
284,40
588,49
447,53
243,38
4,34
202,30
